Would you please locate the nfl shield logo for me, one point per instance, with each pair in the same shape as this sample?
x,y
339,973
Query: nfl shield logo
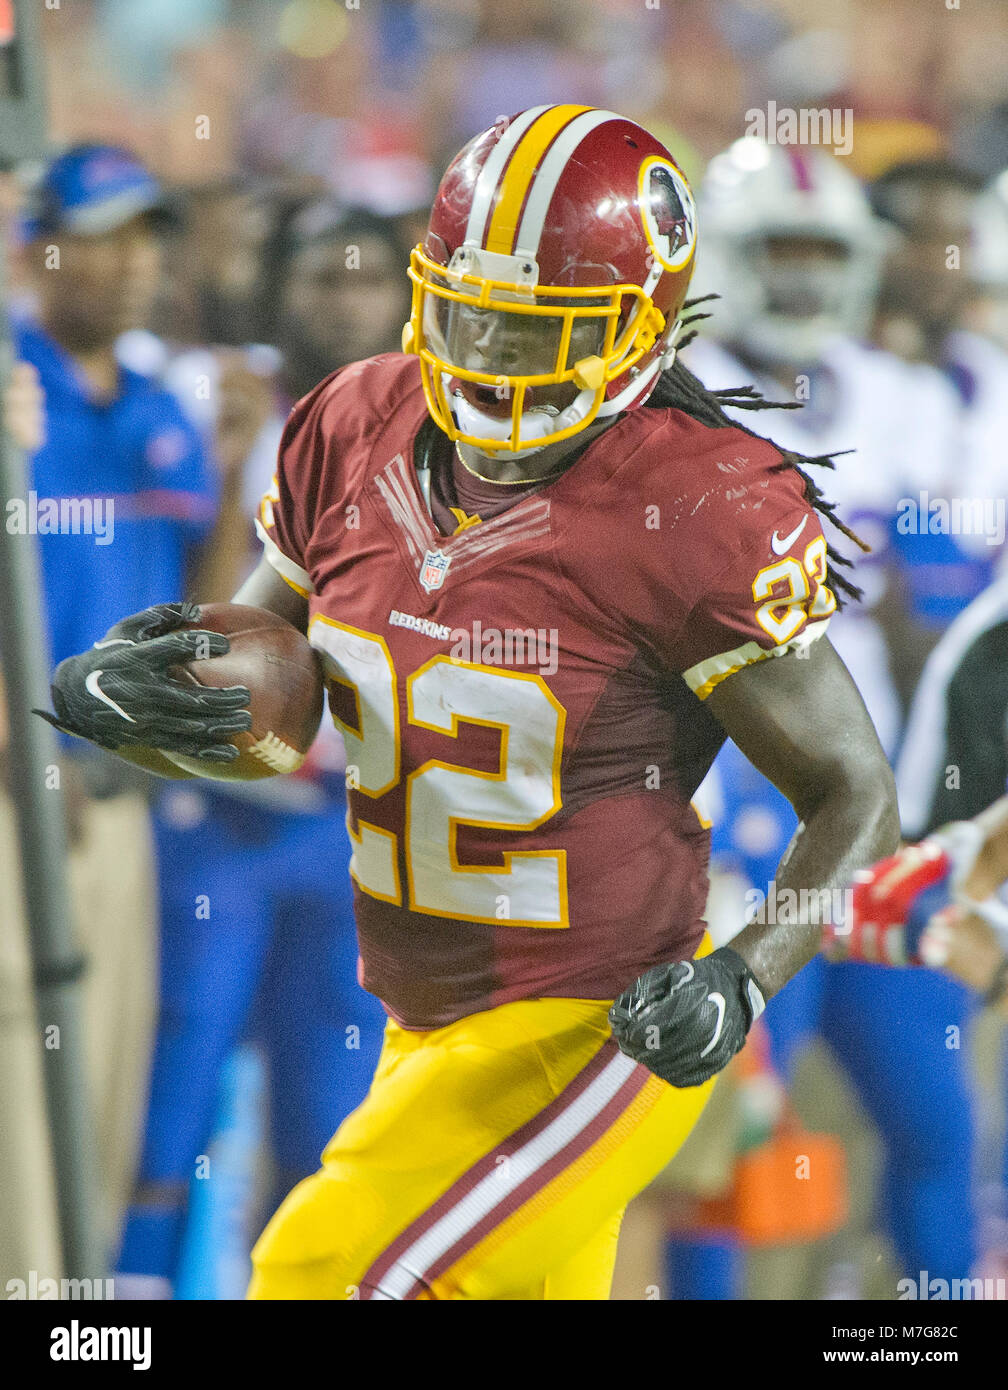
x,y
433,570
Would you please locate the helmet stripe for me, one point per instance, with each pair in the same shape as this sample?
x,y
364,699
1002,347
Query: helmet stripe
x,y
545,182
801,169
521,172
489,175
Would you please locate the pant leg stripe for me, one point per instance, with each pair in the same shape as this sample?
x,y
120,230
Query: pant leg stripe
x,y
468,1180
536,1182
490,1190
549,1195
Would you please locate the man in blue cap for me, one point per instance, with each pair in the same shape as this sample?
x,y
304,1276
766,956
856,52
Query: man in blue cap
x,y
113,436
124,504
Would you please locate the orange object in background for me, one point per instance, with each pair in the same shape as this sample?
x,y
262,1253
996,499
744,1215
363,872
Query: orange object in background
x,y
6,21
790,1187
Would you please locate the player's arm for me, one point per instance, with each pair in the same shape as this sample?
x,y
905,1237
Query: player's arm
x,y
803,724
973,952
801,721
265,588
989,871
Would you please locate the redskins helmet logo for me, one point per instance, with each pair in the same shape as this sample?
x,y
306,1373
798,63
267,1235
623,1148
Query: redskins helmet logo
x,y
668,212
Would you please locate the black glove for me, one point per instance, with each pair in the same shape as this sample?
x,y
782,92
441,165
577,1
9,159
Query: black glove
x,y
687,1020
119,694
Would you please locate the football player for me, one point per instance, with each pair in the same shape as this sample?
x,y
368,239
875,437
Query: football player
x,y
529,873
953,770
795,253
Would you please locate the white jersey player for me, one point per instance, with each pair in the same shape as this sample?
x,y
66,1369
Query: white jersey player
x,y
805,253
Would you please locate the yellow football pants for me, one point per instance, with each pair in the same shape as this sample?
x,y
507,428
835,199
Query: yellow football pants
x,y
491,1159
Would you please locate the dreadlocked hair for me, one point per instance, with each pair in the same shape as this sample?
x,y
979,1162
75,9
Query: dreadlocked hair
x,y
679,389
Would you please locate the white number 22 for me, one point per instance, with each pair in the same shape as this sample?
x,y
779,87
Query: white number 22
x,y
530,889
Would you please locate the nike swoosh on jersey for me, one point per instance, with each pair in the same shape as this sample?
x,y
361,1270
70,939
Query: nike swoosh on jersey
x,y
114,642
93,688
719,1000
781,547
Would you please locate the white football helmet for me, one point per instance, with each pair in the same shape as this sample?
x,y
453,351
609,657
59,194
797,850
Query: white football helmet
x,y
784,313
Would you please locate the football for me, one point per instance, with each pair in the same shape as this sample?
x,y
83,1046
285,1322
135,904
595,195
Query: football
x,y
282,672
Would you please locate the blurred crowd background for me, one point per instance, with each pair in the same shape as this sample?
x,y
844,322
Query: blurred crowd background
x,y
296,147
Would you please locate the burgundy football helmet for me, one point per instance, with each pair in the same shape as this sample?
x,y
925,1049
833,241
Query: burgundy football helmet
x,y
547,292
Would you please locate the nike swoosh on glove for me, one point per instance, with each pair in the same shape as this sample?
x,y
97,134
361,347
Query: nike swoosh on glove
x,y
120,695
687,1020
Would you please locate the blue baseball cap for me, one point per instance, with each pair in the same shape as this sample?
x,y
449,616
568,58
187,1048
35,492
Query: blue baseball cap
x,y
90,190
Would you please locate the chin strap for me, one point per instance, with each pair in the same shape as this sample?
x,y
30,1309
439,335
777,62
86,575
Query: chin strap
x,y
473,421
671,347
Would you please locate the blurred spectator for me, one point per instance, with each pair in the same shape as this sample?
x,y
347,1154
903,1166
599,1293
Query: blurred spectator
x,y
976,356
325,285
141,38
119,450
924,287
925,292
345,292
492,61
227,225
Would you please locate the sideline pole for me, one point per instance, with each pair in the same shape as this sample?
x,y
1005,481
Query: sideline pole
x,y
33,750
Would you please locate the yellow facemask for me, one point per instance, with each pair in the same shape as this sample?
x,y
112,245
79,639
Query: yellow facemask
x,y
484,320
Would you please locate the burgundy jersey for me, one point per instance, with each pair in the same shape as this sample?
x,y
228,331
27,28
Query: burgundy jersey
x,y
522,701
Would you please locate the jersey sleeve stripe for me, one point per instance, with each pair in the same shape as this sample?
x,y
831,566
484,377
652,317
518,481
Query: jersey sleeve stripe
x,y
285,567
705,675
